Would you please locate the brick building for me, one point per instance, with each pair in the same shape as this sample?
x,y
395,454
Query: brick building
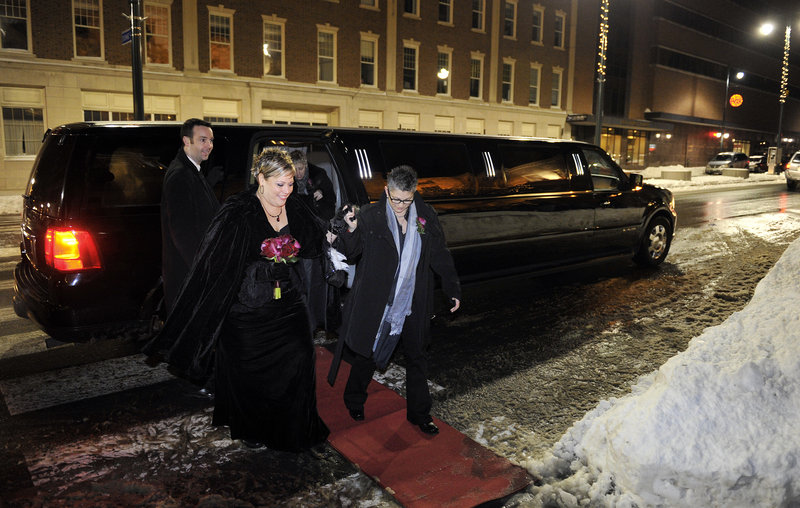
x,y
368,63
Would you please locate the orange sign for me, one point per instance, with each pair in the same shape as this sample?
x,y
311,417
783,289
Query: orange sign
x,y
736,100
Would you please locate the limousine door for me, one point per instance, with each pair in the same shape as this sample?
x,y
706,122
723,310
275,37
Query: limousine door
x,y
619,210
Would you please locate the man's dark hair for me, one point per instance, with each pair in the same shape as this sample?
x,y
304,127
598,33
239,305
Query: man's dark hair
x,y
187,129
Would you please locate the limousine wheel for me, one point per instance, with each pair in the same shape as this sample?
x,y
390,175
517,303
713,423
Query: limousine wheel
x,y
655,243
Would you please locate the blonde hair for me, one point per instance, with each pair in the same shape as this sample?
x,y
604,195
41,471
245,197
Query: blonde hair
x,y
272,161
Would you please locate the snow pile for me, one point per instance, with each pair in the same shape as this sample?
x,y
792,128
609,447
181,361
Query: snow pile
x,y
715,426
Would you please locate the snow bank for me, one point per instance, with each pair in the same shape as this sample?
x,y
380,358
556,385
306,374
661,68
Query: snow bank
x,y
715,426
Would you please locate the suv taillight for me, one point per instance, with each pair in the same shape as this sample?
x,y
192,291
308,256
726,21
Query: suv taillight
x,y
69,250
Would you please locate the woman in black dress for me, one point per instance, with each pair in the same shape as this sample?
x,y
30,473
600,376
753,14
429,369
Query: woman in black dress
x,y
241,306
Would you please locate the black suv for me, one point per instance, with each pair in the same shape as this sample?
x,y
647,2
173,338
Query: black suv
x,y
91,241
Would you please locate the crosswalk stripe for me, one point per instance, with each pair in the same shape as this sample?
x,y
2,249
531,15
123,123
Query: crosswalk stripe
x,y
70,384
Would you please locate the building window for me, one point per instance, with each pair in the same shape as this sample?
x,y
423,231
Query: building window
x,y
446,11
475,81
326,56
22,130
273,48
92,115
88,23
411,7
536,25
369,3
220,25
478,7
510,19
156,34
220,119
369,50
14,24
533,86
409,67
508,81
555,96
558,36
443,72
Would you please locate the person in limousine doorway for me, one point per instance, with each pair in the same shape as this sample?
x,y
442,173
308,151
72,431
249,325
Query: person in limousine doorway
x,y
313,185
241,311
398,245
187,205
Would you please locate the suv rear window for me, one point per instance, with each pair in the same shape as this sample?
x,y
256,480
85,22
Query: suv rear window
x,y
125,171
47,177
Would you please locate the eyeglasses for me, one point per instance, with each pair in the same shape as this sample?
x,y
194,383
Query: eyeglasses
x,y
399,201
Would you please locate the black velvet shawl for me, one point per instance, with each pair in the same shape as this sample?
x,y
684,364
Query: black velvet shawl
x,y
189,336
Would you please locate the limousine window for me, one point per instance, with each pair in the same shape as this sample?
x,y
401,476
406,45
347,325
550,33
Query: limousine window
x,y
443,169
605,176
529,168
130,174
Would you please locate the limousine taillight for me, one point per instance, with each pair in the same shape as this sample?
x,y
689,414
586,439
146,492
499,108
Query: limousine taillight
x,y
70,250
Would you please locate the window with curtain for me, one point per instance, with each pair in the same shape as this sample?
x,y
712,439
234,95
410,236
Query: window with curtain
x,y
508,82
23,129
86,18
273,49
555,98
221,41
326,56
533,87
14,23
368,51
156,34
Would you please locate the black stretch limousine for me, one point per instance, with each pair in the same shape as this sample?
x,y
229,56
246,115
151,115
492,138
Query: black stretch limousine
x,y
507,205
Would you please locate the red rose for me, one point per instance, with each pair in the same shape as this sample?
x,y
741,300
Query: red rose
x,y
281,249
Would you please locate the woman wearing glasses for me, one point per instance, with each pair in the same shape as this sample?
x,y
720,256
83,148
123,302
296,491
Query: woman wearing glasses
x,y
397,244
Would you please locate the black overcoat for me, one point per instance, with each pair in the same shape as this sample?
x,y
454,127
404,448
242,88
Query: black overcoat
x,y
372,247
189,335
187,206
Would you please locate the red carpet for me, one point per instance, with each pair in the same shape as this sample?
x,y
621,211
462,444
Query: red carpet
x,y
447,470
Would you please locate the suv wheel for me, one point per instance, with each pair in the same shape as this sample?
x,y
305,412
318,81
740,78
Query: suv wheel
x,y
655,243
791,184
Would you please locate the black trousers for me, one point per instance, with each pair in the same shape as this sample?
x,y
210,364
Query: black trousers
x,y
418,397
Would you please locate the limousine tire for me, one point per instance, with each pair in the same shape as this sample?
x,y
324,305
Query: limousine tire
x,y
655,243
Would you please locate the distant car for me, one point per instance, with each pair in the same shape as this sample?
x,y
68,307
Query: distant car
x,y
758,164
793,171
726,160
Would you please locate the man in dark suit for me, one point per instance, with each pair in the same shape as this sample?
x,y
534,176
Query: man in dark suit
x,y
399,245
187,205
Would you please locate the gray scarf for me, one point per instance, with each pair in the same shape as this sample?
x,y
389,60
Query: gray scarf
x,y
405,276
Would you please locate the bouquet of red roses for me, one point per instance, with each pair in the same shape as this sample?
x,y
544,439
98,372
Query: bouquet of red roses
x,y
280,249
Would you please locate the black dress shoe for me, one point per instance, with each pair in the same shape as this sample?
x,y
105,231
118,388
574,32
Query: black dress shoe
x,y
429,428
356,414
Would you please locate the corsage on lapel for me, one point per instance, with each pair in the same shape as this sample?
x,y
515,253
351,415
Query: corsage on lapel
x,y
421,225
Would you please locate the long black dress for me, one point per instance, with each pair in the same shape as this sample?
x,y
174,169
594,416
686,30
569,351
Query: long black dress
x,y
265,387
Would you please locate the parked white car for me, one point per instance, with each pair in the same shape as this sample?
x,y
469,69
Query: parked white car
x,y
793,171
726,160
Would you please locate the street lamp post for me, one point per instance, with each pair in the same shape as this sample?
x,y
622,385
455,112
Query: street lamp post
x,y
739,75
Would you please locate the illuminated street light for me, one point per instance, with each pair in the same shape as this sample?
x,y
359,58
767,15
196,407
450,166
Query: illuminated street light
x,y
766,29
739,75
602,46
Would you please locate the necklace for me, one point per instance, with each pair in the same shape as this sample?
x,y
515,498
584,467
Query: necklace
x,y
276,217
